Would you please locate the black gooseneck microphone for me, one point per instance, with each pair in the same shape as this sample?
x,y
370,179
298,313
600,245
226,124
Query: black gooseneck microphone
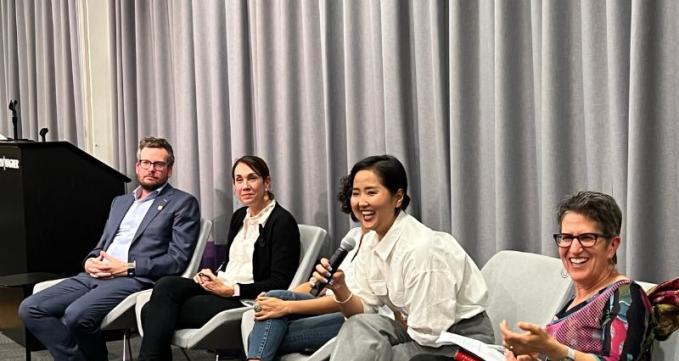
x,y
347,244
42,133
15,118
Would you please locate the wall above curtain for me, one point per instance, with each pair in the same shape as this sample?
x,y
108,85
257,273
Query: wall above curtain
x,y
497,108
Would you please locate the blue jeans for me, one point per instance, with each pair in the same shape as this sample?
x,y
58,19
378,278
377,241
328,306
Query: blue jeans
x,y
292,333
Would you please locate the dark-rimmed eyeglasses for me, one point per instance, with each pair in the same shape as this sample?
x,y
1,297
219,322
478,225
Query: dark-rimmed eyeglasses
x,y
564,240
147,164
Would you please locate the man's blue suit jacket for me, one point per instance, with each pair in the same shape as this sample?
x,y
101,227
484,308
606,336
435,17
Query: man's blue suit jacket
x,y
166,236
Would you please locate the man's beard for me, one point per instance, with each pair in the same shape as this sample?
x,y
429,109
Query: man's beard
x,y
151,186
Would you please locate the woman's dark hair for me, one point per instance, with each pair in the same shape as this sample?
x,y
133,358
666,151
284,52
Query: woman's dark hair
x,y
599,207
257,164
389,170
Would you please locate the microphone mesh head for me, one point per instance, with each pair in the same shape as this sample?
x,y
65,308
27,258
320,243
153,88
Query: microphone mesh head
x,y
348,243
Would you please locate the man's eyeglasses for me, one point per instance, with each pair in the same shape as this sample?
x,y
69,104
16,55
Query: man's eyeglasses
x,y
564,240
147,164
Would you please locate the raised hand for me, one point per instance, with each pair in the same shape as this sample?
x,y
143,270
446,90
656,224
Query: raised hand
x,y
534,340
322,274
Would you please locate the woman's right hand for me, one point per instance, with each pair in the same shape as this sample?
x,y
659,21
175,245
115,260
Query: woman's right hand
x,y
322,274
201,276
212,284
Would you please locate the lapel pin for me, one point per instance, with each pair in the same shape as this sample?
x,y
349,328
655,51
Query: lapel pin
x,y
160,207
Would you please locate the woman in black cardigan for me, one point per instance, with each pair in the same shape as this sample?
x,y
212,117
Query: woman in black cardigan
x,y
263,254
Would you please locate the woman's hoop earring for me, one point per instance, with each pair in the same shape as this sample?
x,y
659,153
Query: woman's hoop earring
x,y
564,274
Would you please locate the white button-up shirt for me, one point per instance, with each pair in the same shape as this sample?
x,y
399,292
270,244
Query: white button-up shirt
x,y
239,268
348,268
424,275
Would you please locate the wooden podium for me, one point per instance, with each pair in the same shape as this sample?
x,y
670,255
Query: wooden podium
x,y
54,202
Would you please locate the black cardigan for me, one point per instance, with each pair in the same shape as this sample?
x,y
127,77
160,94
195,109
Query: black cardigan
x,y
276,255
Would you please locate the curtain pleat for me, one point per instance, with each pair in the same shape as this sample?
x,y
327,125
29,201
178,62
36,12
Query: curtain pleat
x,y
498,109
40,68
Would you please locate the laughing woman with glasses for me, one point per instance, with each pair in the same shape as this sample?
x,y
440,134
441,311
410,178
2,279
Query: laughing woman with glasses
x,y
610,316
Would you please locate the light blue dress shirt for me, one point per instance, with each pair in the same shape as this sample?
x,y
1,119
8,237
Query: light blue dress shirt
x,y
120,246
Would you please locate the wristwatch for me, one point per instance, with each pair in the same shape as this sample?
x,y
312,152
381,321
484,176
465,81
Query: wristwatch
x,y
130,268
570,354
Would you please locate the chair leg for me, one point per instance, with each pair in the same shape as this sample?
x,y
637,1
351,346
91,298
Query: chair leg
x,y
185,354
127,346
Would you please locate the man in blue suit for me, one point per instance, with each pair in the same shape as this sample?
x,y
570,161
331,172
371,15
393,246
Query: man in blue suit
x,y
149,233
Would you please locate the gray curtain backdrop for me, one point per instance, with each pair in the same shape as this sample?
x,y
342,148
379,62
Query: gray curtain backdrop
x,y
40,67
497,108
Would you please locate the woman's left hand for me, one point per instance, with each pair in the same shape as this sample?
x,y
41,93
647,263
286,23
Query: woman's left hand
x,y
271,307
534,340
214,285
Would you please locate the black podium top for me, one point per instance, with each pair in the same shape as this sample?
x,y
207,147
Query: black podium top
x,y
29,144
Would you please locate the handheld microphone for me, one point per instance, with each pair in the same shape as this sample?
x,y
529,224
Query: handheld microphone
x,y
347,244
